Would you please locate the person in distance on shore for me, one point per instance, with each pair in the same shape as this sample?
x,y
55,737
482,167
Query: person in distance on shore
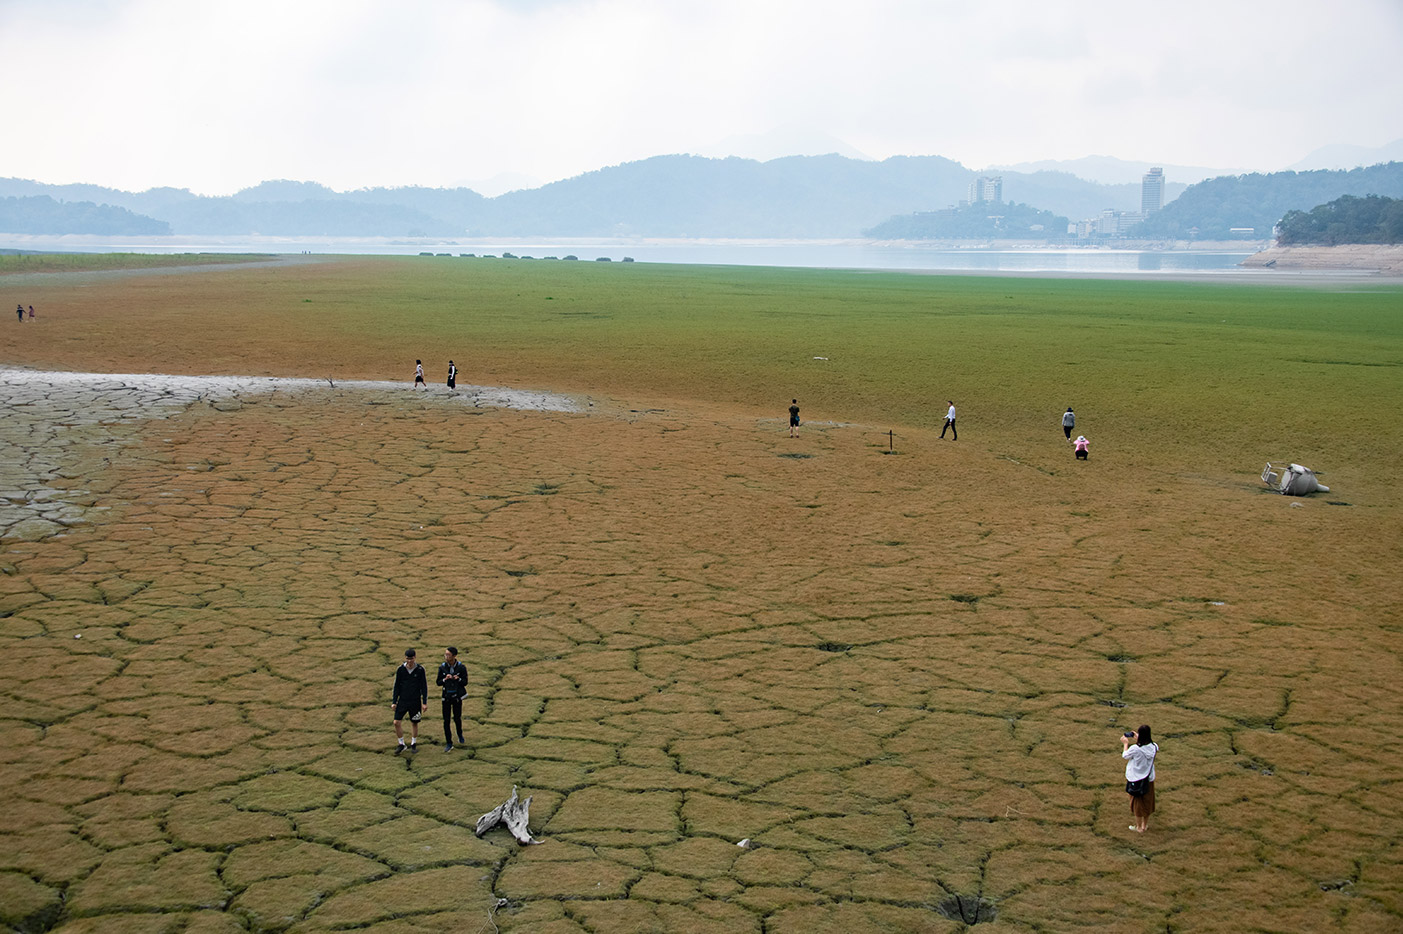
x,y
19,310
31,312
1081,444
419,375
410,699
793,418
950,422
1140,767
452,375
1069,421
453,678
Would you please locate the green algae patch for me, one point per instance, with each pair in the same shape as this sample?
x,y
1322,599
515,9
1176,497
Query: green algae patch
x,y
287,792
582,878
26,905
150,878
403,895
609,809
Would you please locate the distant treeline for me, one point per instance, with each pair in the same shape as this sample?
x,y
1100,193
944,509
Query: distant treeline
x,y
1212,209
1373,219
40,214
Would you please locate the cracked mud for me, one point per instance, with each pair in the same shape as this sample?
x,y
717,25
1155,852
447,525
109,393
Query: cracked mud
x,y
900,679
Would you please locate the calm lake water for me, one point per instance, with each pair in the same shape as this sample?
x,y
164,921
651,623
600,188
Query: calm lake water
x,y
823,254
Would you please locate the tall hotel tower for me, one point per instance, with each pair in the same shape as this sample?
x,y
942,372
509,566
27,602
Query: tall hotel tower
x,y
1152,191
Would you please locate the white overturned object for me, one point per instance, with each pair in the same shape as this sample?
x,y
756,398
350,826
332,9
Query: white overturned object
x,y
1293,480
513,812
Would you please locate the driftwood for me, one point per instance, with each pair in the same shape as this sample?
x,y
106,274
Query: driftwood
x,y
513,812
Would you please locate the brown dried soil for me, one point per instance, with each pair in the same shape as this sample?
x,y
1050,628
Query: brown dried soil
x,y
900,676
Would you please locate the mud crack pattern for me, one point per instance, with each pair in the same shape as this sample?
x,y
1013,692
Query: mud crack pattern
x,y
899,678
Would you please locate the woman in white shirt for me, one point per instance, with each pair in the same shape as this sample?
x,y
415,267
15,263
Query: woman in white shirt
x,y
1140,768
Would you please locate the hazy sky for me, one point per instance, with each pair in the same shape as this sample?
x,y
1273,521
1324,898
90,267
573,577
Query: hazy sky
x,y
215,96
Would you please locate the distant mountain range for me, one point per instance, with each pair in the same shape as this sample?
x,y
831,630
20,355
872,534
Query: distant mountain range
x,y
826,196
665,196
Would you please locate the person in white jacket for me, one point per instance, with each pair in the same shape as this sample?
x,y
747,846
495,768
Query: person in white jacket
x,y
1140,772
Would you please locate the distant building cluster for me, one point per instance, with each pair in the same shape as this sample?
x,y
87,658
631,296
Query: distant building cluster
x,y
986,189
1112,223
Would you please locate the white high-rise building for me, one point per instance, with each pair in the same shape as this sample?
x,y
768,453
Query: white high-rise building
x,y
1152,191
987,189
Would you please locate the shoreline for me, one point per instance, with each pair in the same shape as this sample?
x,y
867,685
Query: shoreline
x,y
1382,260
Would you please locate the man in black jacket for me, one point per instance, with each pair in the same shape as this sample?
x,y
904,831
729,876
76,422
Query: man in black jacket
x,y
453,678
411,698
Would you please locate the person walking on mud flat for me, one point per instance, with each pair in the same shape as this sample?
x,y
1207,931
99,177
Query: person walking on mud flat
x,y
793,418
419,375
950,422
31,312
19,310
1069,421
410,699
1140,775
453,678
452,375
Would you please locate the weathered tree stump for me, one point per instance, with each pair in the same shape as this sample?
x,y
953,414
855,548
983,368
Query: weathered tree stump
x,y
512,812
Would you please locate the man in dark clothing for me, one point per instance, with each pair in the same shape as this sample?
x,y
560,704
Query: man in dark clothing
x,y
411,699
453,678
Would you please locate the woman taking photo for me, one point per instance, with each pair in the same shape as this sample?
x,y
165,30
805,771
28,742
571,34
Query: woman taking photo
x,y
1139,759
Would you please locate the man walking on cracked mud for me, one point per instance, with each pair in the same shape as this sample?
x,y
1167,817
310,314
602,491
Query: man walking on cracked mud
x,y
453,678
411,699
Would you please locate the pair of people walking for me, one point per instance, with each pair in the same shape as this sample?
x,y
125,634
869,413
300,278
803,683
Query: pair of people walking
x,y
410,699
419,375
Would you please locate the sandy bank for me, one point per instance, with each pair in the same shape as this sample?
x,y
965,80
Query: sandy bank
x,y
1356,257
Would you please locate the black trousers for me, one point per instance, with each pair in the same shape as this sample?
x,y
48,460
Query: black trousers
x,y
1068,430
950,423
452,710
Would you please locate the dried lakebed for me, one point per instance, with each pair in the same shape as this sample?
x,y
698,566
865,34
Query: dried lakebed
x,y
899,677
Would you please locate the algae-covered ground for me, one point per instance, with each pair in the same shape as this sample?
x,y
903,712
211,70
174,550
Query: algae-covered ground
x,y
897,666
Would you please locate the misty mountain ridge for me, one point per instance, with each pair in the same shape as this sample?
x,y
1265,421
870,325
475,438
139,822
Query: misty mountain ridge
x,y
1344,156
663,196
679,196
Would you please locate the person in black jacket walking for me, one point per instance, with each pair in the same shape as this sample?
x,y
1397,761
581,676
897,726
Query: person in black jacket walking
x,y
453,678
411,699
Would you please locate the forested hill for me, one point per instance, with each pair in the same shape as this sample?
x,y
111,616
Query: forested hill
x,y
1212,208
665,196
1374,219
40,214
